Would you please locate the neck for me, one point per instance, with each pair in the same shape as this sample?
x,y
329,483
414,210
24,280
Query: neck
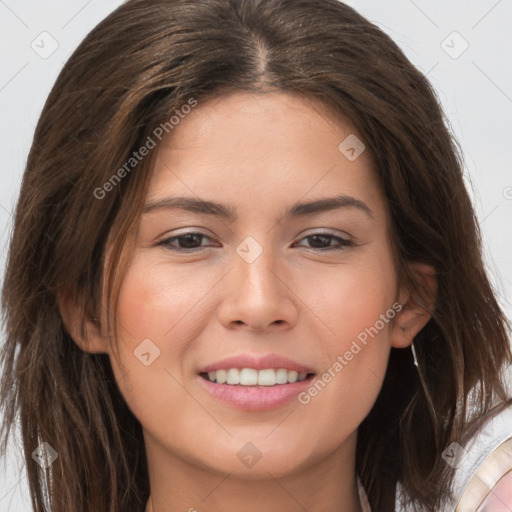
x,y
328,484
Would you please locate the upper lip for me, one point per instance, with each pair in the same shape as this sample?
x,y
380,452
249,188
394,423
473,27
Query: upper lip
x,y
257,362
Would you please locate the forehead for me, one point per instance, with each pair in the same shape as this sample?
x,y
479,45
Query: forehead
x,y
254,149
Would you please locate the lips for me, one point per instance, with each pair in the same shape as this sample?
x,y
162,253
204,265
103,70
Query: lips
x,y
255,383
254,398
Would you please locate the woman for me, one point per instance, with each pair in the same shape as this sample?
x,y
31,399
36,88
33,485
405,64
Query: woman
x,y
245,272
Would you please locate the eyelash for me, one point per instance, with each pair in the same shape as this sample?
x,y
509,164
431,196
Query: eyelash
x,y
343,242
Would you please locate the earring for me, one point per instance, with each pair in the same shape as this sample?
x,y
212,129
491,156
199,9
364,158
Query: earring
x,y
414,355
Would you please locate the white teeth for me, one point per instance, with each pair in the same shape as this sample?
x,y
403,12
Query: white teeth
x,y
248,377
233,376
282,376
266,378
252,377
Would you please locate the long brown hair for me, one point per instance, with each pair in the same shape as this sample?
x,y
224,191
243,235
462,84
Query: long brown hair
x,y
130,74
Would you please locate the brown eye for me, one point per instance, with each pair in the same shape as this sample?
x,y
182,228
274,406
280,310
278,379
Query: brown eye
x,y
322,242
187,242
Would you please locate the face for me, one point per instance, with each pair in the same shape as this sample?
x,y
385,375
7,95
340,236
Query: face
x,y
303,292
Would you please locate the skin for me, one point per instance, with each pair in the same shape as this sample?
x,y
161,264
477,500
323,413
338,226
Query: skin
x,y
259,154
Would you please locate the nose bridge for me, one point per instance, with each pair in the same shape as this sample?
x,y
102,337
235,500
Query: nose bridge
x,y
257,295
257,269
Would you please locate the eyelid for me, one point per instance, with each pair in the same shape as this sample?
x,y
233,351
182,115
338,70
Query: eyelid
x,y
178,233
344,241
194,231
326,231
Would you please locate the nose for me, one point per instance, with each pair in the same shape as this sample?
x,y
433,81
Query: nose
x,y
258,295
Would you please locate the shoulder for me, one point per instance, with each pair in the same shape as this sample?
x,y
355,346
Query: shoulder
x,y
483,468
499,498
488,469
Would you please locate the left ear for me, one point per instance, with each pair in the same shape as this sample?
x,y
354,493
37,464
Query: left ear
x,y
416,310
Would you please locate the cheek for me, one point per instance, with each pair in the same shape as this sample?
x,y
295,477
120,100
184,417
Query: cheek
x,y
355,303
156,326
159,301
352,301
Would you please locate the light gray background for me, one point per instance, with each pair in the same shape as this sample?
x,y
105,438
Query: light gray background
x,y
475,89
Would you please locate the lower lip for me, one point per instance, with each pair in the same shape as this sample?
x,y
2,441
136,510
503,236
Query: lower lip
x,y
255,398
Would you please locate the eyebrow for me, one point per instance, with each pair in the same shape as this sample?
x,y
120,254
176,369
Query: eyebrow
x,y
229,212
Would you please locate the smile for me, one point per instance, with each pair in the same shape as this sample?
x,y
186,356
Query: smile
x,y
255,397
253,377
